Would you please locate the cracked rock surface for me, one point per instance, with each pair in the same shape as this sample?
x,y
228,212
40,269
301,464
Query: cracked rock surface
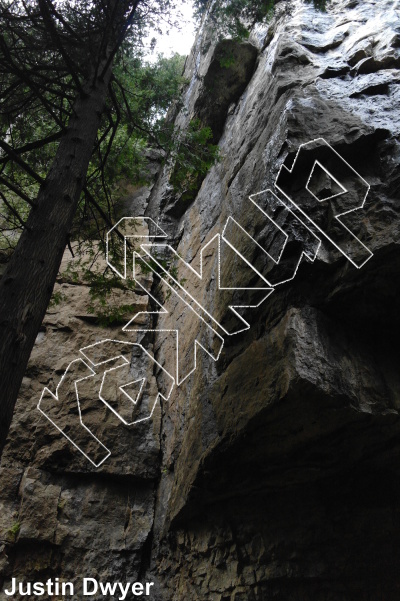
x,y
273,472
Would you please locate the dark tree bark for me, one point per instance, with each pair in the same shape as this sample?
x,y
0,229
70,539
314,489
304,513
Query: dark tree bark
x,y
28,282
27,285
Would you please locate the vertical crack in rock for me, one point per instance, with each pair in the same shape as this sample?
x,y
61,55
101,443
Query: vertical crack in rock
x,y
272,473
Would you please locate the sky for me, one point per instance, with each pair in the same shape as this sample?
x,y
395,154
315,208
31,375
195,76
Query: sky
x,y
178,40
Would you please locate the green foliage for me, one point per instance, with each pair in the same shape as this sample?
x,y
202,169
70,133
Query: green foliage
x,y
56,298
159,265
134,122
149,88
226,58
236,18
14,530
144,91
319,4
49,51
107,291
104,301
61,504
192,158
105,288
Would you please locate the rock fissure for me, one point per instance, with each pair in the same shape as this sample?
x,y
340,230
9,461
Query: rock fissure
x,y
274,471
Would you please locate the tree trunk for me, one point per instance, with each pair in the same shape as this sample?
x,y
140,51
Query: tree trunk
x,y
28,282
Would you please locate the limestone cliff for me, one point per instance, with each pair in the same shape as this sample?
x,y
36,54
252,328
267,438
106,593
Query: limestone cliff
x,y
272,473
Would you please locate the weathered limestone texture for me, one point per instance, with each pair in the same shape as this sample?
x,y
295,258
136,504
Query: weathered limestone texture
x,y
59,516
272,473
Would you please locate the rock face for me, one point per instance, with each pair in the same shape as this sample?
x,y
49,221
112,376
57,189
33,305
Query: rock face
x,y
272,473
59,516
228,74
